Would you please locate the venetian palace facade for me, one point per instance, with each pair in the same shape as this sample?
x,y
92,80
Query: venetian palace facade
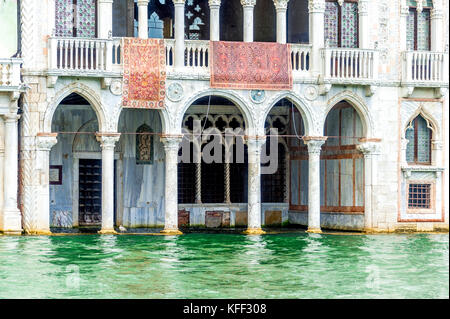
x,y
98,99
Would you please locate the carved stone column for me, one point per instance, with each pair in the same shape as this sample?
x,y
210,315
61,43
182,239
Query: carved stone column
x,y
281,8
254,185
316,33
44,143
363,12
437,17
171,147
179,33
107,143
143,19
11,220
214,18
314,144
248,6
370,150
105,11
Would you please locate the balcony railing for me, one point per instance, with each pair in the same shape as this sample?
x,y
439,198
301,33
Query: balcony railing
x,y
350,65
10,73
424,68
72,55
301,59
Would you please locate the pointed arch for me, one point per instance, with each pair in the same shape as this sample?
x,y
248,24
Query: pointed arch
x,y
359,105
431,122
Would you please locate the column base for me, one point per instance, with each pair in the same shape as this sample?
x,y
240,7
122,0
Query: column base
x,y
254,231
39,233
12,232
314,231
171,232
107,232
12,222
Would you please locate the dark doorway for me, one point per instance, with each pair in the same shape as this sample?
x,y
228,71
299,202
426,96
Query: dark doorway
x,y
90,189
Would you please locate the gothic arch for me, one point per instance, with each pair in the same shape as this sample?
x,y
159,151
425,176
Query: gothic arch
x,y
302,107
431,122
237,100
163,116
359,105
84,91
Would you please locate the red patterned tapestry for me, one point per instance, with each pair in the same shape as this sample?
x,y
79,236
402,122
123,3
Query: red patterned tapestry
x,y
144,73
250,65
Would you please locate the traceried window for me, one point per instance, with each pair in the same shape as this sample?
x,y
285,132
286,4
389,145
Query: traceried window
x,y
160,19
75,18
196,19
418,30
341,23
419,134
419,196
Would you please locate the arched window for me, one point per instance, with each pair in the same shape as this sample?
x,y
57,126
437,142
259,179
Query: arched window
x,y
197,19
419,134
341,23
75,18
144,145
418,30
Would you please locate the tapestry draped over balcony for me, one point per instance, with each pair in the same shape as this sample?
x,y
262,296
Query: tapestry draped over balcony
x,y
144,73
250,65
75,18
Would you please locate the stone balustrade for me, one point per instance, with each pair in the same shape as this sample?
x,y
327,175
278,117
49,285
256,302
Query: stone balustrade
x,y
424,68
10,72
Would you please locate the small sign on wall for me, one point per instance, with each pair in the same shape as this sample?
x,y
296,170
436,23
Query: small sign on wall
x,y
55,175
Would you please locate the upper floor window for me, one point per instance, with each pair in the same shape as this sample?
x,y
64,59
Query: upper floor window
x,y
418,28
75,18
341,23
419,134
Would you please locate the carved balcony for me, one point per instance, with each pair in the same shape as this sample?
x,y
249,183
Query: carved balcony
x,y
10,81
348,66
425,69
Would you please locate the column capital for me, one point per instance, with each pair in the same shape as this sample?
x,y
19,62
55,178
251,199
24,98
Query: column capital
x,y
255,142
314,143
107,140
437,145
369,148
111,1
363,7
11,117
248,3
280,4
179,2
214,3
45,141
145,2
171,142
316,6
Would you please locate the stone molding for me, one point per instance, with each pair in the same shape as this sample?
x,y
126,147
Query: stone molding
x,y
369,148
179,2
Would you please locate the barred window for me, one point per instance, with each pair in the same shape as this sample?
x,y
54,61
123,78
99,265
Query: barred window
x,y
419,134
419,196
418,30
341,24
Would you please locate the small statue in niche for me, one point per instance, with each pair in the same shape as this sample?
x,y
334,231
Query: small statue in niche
x,y
144,145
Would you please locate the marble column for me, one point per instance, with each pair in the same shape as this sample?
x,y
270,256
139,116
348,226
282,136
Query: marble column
x,y
437,18
105,11
316,33
370,150
281,8
363,12
11,222
171,147
314,147
44,143
214,20
107,142
179,33
143,19
248,6
254,146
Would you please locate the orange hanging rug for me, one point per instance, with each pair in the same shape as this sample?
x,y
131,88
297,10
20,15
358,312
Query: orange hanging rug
x,y
250,65
144,73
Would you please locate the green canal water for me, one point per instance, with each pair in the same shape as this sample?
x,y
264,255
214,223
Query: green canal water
x,y
294,265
